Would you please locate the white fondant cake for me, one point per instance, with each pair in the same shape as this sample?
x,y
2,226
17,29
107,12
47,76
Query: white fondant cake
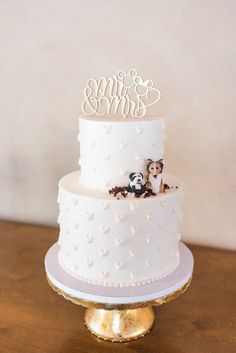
x,y
117,242
119,217
126,241
112,148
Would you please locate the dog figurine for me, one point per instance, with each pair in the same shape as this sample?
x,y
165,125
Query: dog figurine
x,y
136,184
155,181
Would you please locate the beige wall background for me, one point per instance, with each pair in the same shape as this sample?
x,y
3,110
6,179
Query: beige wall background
x,y
48,49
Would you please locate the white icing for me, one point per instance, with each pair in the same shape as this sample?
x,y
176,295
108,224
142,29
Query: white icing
x,y
149,238
89,215
132,252
119,240
149,216
89,262
119,217
104,229
123,144
76,246
103,252
89,238
104,205
122,147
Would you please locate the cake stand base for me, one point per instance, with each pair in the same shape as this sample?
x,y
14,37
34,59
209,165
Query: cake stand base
x,y
119,314
119,325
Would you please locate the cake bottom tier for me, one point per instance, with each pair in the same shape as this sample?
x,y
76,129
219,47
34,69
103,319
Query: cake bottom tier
x,y
118,242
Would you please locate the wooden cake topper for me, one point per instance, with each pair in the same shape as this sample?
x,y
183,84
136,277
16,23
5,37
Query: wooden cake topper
x,y
125,94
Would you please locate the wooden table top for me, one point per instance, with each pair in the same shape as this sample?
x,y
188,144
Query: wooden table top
x,y
33,318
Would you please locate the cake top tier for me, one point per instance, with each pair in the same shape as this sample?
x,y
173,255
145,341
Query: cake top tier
x,y
111,149
125,94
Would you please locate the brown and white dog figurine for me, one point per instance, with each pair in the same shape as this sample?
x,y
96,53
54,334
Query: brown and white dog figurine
x,y
155,180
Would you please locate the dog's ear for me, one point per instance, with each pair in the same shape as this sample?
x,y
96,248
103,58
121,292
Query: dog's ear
x,y
161,163
131,176
149,161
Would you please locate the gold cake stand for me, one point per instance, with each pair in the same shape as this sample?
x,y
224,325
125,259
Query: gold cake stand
x,y
125,319
120,322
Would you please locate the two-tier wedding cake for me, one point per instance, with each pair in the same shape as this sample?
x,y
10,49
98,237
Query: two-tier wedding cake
x,y
120,215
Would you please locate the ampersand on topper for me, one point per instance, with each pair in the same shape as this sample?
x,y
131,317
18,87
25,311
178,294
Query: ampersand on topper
x,y
125,94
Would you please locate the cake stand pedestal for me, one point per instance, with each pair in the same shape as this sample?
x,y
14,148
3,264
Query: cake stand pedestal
x,y
119,314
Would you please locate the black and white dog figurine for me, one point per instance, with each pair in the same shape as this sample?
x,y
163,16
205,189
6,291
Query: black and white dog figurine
x,y
136,184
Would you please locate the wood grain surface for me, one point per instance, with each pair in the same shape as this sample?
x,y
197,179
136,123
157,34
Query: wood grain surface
x,y
33,318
